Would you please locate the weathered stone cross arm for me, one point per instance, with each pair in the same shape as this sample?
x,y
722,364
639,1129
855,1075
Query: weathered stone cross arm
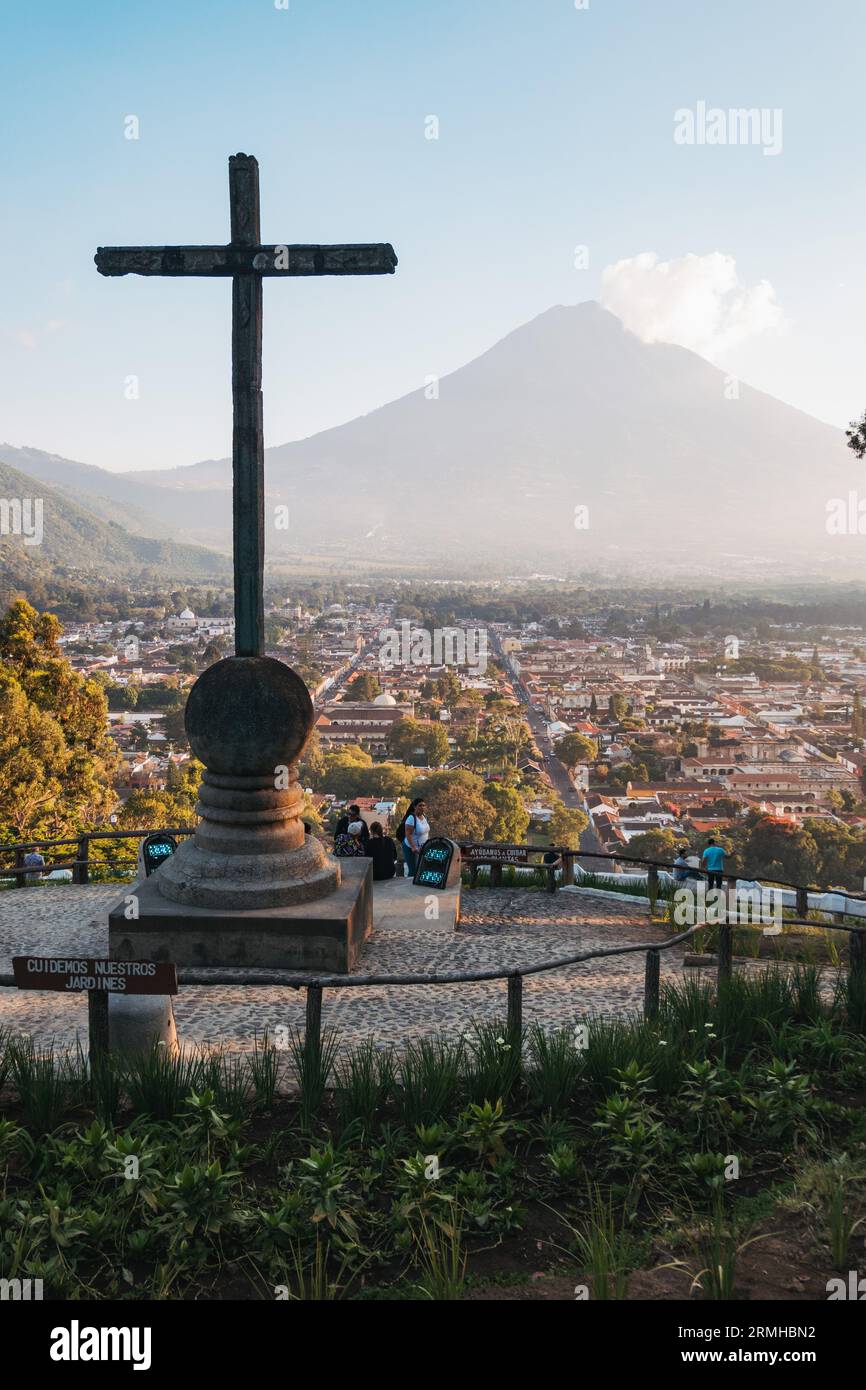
x,y
245,261
375,258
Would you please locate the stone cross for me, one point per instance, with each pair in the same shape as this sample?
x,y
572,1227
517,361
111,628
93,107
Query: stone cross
x,y
246,260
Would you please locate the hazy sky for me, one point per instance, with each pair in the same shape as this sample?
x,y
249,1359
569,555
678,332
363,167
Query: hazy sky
x,y
556,131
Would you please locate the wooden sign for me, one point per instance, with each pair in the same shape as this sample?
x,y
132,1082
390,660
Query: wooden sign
x,y
496,854
438,864
73,974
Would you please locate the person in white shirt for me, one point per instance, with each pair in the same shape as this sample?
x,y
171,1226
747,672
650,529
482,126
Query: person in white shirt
x,y
416,833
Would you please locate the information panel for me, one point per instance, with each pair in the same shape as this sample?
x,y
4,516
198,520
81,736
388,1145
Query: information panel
x,y
155,849
438,864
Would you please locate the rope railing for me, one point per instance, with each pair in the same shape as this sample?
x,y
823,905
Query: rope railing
x,y
82,864
564,856
314,984
514,976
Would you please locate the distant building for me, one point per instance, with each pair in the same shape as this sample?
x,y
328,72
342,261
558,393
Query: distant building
x,y
367,723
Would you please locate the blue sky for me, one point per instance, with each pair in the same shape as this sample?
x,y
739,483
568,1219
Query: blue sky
x,y
556,130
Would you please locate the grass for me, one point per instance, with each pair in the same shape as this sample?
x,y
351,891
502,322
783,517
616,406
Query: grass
x,y
314,1066
365,1081
601,1247
428,1080
441,1256
592,1152
44,1084
158,1082
716,1249
554,1068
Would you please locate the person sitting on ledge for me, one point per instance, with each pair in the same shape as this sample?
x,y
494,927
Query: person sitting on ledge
x,y
383,852
349,844
347,819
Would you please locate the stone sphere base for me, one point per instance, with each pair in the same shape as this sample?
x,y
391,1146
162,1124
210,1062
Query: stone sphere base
x,y
248,719
204,878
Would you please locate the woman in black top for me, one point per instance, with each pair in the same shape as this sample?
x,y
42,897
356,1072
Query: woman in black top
x,y
383,852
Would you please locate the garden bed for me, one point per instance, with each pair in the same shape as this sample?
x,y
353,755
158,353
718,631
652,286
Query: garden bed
x,y
717,1152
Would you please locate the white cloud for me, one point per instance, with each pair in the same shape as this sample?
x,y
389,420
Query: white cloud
x,y
30,338
696,301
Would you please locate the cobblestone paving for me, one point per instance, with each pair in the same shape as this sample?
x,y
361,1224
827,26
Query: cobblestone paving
x,y
499,930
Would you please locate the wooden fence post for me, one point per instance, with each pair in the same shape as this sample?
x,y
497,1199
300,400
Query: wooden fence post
x,y
725,951
857,956
81,872
515,1010
731,885
568,870
97,1024
20,879
313,1031
802,902
652,976
495,875
652,887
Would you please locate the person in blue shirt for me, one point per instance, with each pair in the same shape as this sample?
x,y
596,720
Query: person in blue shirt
x,y
713,860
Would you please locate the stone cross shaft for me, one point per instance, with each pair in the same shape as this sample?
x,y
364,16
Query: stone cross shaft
x,y
247,261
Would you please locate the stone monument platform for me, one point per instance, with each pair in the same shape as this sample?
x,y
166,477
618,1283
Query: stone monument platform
x,y
324,934
399,905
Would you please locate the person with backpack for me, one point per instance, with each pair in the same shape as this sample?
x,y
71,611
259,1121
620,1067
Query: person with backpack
x,y
415,832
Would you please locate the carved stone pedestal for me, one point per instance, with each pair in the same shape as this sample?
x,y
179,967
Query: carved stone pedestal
x,y
242,890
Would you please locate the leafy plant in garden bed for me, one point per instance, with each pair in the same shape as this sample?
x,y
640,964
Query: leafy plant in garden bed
x,y
595,1150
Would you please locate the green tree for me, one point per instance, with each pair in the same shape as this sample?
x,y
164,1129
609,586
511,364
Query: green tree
x,y
341,771
779,850
365,686
412,739
33,760
856,435
653,844
628,772
512,817
30,653
456,804
172,725
213,652
174,807
572,749
385,781
566,825
449,688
